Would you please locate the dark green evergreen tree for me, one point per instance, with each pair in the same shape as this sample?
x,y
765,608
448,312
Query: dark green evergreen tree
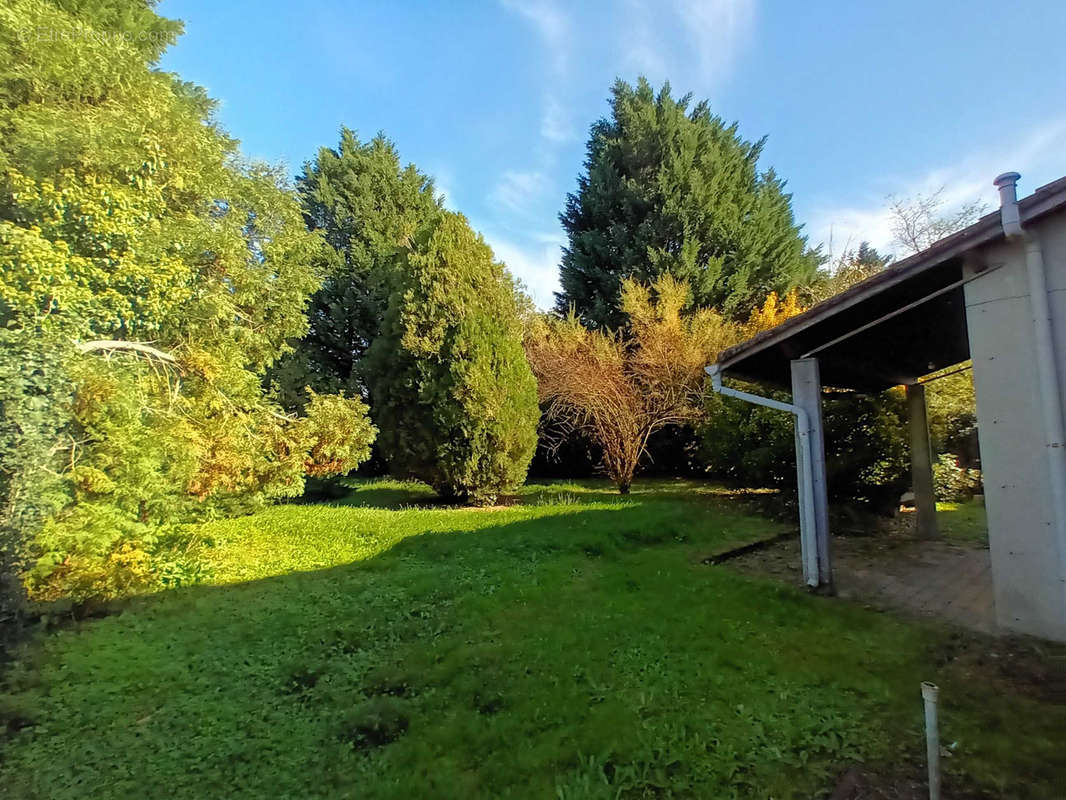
x,y
669,189
852,267
366,205
454,397
868,258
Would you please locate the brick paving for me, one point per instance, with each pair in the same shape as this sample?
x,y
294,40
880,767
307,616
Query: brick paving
x,y
938,579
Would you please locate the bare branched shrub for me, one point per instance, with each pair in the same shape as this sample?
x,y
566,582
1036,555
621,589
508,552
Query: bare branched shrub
x,y
618,390
920,221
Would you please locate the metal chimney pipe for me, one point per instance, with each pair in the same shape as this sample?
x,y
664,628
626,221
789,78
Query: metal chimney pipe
x,y
1007,183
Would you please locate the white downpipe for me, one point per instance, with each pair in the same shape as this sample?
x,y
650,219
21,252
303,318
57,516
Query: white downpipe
x,y
1047,363
804,468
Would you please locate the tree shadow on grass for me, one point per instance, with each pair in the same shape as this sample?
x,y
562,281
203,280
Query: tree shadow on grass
x,y
392,494
372,495
198,683
294,684
481,663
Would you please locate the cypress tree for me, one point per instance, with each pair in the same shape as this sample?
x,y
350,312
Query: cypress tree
x,y
454,397
666,189
366,205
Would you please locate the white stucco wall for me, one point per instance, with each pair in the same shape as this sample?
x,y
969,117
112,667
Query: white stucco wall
x,y
1026,566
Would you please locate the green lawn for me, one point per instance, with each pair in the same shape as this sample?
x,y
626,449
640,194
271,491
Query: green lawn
x,y
572,646
963,522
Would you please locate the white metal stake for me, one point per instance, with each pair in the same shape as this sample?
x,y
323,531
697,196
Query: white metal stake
x,y
932,738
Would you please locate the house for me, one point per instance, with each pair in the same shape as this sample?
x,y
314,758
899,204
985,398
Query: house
x,y
994,293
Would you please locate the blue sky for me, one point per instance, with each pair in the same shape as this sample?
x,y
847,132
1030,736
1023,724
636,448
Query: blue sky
x,y
859,100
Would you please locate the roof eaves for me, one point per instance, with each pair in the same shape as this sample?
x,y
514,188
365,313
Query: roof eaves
x,y
1046,198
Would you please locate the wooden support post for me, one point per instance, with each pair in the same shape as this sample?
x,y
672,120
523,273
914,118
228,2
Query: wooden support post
x,y
807,394
921,463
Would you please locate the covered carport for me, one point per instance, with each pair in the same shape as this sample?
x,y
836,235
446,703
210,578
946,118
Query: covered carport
x,y
994,293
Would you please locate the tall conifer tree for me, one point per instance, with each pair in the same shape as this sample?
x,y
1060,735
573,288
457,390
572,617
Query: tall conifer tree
x,y
668,189
453,393
367,206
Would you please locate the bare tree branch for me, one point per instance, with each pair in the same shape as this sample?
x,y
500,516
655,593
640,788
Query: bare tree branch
x,y
919,221
110,345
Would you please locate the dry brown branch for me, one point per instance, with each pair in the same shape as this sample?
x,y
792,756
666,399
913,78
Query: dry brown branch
x,y
618,392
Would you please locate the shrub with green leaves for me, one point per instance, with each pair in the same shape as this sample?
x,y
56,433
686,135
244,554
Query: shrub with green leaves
x,y
35,395
149,277
953,482
865,441
451,389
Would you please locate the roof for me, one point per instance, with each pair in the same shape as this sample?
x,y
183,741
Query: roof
x,y
918,337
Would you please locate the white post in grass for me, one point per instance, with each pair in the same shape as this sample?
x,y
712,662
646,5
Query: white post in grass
x,y
932,738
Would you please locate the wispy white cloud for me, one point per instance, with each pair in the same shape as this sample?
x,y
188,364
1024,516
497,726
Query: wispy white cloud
x,y
554,27
556,125
517,191
445,195
1036,153
444,183
640,48
551,23
534,259
713,33
717,30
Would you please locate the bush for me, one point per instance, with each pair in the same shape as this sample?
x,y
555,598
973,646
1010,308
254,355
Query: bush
x,y
865,439
35,395
618,391
149,277
953,417
336,434
952,482
450,386
142,472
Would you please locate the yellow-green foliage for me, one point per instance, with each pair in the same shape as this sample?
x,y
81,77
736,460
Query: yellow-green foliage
x,y
618,390
450,386
126,214
337,433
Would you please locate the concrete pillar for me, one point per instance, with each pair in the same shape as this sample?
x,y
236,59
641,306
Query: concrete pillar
x,y
807,394
921,463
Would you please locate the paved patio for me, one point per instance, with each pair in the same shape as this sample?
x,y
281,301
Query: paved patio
x,y
935,579
949,581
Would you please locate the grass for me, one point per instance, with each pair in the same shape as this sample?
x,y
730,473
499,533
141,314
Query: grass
x,y
963,522
570,646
